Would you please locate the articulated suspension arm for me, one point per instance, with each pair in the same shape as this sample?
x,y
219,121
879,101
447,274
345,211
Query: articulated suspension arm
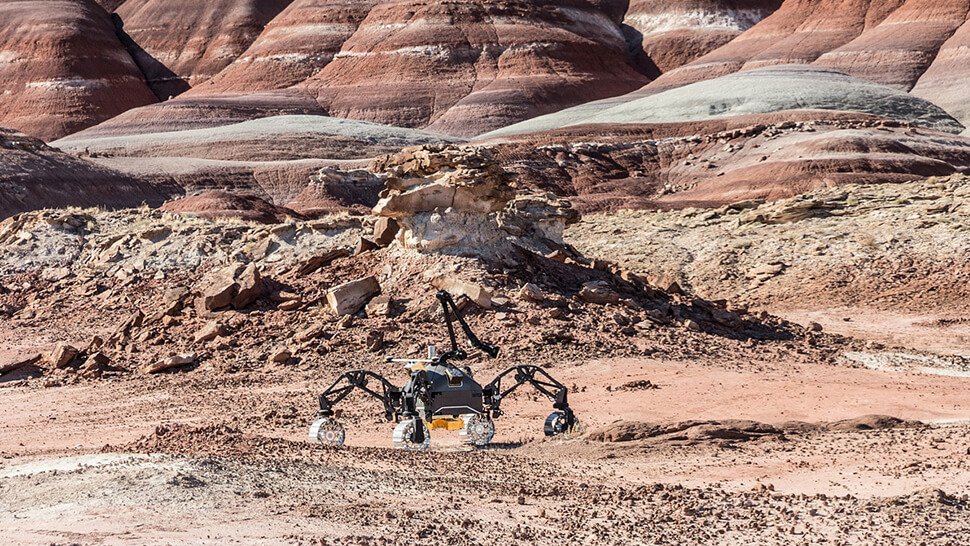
x,y
539,379
389,395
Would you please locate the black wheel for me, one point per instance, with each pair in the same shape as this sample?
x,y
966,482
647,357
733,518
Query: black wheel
x,y
557,423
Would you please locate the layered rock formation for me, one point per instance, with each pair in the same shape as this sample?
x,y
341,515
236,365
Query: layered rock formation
x,y
453,200
276,138
34,176
671,34
188,113
295,45
767,90
945,81
62,68
494,63
178,45
731,160
902,47
798,32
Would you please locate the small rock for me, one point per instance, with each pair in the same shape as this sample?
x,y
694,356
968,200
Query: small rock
x,y
346,322
291,305
209,332
375,341
380,306
63,355
176,361
385,230
531,292
281,356
311,333
364,245
598,292
54,274
95,366
350,297
475,292
814,326
169,321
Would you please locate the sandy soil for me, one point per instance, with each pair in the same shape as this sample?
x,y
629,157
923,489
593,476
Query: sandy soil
x,y
86,463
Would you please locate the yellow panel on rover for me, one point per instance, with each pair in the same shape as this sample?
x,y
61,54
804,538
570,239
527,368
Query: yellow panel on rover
x,y
450,424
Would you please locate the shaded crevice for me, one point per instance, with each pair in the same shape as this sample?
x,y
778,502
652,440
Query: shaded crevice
x,y
163,82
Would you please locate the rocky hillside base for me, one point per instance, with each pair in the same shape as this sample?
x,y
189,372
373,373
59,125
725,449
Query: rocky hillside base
x,y
93,293
887,246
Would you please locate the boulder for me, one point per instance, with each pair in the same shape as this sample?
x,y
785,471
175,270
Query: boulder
x,y
598,292
531,292
350,297
172,362
218,293
250,287
385,230
63,355
475,292
239,287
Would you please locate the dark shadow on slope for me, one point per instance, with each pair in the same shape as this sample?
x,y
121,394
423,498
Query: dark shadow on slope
x,y
162,81
639,58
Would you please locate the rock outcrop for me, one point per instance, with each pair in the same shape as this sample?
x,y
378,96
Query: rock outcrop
x,y
671,34
460,201
63,68
222,204
180,44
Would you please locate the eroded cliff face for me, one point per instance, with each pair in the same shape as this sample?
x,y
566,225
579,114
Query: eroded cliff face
x,y
464,67
180,44
671,34
62,68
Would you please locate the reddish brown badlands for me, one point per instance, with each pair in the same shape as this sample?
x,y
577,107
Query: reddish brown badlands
x,y
734,230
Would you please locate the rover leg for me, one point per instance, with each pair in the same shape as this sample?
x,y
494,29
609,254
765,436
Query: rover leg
x,y
562,421
326,429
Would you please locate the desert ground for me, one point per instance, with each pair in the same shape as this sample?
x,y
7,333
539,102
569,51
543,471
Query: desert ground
x,y
852,428
736,234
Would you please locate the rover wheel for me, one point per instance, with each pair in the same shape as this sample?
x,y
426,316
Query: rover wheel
x,y
328,431
404,436
478,430
556,425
